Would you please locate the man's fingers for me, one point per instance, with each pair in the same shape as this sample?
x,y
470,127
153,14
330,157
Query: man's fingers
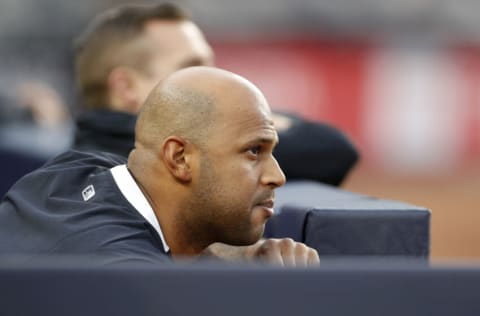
x,y
287,252
270,252
301,255
287,249
313,258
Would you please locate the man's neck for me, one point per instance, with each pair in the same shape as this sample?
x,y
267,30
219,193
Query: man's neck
x,y
179,238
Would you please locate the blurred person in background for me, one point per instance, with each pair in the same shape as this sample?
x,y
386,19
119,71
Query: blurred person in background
x,y
34,125
34,120
126,50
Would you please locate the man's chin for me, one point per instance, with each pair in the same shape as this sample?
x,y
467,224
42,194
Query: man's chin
x,y
253,238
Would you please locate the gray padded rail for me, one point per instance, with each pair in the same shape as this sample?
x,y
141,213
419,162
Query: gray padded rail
x,y
72,290
341,223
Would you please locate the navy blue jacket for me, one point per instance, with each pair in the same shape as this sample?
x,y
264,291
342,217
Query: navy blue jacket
x,y
46,213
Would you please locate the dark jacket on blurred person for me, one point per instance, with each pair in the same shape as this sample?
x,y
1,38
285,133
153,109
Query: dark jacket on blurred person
x,y
104,130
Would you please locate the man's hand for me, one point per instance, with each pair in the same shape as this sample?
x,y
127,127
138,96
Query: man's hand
x,y
282,252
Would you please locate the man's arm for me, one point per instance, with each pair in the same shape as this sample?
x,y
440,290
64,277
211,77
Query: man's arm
x,y
282,252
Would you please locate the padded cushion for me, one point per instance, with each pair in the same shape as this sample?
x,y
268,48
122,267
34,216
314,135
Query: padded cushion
x,y
338,223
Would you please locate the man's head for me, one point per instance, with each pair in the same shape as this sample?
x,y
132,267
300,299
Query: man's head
x,y
125,51
204,139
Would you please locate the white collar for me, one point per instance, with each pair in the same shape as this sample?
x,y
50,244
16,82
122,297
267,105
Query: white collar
x,y
134,195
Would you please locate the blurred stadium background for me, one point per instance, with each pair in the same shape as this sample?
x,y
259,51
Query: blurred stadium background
x,y
401,78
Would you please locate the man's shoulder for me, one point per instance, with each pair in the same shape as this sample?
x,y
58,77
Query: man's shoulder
x,y
66,175
75,202
76,158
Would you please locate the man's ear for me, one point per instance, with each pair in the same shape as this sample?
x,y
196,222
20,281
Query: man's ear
x,y
176,154
122,90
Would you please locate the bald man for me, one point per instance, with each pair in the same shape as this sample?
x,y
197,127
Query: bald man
x,y
202,172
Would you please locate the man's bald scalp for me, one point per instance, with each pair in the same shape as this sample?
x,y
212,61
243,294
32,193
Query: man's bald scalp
x,y
174,110
186,103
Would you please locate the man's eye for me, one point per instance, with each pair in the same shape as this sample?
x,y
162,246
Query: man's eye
x,y
254,150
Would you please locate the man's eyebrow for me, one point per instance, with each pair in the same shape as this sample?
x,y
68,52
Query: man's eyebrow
x,y
265,139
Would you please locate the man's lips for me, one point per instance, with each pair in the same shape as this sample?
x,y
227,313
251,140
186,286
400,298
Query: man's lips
x,y
267,205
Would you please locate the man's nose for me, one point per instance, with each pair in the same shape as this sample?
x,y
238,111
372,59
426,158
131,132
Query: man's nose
x,y
273,175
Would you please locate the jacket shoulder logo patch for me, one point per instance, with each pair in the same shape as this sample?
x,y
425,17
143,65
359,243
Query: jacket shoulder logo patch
x,y
88,192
